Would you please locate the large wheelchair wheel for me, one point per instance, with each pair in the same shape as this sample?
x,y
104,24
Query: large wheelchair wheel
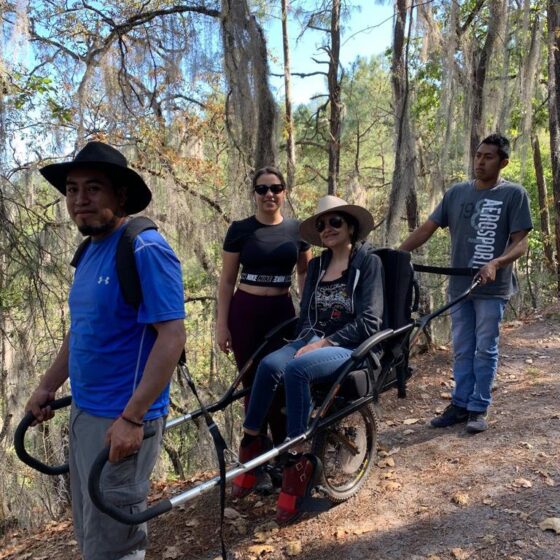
x,y
347,451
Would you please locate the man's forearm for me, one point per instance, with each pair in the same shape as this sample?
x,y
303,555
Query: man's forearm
x,y
159,368
517,248
413,241
57,374
49,384
419,236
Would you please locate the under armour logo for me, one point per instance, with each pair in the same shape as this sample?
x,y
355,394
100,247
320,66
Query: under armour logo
x,y
103,279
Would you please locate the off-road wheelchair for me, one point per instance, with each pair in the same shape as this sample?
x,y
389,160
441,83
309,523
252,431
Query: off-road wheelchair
x,y
342,431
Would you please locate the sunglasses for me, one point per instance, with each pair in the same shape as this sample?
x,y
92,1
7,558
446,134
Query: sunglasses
x,y
274,189
334,221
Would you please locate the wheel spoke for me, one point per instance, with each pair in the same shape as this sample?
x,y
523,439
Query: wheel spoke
x,y
347,450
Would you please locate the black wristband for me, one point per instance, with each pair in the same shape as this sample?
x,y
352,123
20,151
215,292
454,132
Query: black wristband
x,y
133,422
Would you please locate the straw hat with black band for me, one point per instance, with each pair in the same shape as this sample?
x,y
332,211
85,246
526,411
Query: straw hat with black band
x,y
329,204
99,155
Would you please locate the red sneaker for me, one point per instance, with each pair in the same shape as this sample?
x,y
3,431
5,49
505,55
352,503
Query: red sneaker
x,y
297,483
244,483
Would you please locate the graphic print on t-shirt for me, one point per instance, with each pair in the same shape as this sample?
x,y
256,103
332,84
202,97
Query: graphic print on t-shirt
x,y
334,306
484,221
481,223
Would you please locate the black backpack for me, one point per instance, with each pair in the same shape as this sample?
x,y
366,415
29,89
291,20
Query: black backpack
x,y
401,288
126,265
401,300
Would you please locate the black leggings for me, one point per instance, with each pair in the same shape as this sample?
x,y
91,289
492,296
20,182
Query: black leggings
x,y
250,318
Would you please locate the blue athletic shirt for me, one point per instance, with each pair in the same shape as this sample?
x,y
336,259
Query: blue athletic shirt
x,y
109,339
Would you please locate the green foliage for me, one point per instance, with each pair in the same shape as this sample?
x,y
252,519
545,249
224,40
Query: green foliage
x,y
28,89
158,91
30,93
427,95
365,143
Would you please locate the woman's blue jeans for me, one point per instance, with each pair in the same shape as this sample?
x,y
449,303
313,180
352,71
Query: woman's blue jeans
x,y
475,329
297,374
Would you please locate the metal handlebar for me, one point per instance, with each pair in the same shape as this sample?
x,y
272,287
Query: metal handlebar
x,y
19,440
96,494
95,473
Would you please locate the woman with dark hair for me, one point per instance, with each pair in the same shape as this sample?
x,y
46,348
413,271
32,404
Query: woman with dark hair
x,y
266,246
342,305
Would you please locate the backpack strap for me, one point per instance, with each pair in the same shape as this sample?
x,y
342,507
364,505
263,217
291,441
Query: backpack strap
x,y
79,252
127,272
126,264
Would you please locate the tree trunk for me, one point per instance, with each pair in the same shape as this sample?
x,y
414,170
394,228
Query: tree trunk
x,y
265,148
252,109
412,210
445,119
497,13
404,175
505,102
289,121
543,203
530,75
5,413
334,100
554,116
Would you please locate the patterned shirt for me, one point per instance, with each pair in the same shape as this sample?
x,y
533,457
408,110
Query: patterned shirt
x,y
333,305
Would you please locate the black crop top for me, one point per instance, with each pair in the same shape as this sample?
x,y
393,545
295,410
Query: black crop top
x,y
267,254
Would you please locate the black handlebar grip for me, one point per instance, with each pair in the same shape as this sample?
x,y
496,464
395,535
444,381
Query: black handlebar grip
x,y
96,494
19,440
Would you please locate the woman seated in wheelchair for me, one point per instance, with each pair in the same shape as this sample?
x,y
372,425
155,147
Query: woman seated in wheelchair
x,y
342,305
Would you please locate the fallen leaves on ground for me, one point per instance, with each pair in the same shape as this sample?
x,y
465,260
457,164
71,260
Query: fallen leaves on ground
x,y
551,524
489,539
460,499
522,483
263,533
260,549
340,533
230,513
391,486
293,548
384,453
170,553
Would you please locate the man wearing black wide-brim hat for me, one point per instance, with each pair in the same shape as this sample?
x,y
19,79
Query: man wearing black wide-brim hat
x,y
118,357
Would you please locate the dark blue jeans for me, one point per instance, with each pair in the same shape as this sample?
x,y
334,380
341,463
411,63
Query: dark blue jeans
x,y
297,374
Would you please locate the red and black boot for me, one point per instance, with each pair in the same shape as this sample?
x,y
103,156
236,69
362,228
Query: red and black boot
x,y
298,479
250,447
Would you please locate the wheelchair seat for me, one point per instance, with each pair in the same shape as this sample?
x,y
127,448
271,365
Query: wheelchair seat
x,y
356,384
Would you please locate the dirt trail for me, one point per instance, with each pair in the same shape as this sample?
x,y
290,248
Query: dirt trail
x,y
447,496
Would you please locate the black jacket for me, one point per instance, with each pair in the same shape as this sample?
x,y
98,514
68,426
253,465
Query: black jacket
x,y
365,289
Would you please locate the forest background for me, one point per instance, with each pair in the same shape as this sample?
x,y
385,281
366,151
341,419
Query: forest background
x,y
184,89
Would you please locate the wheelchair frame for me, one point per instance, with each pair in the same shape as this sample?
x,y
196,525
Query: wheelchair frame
x,y
378,371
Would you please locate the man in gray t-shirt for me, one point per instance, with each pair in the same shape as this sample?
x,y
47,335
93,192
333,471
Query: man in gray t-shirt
x,y
488,219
